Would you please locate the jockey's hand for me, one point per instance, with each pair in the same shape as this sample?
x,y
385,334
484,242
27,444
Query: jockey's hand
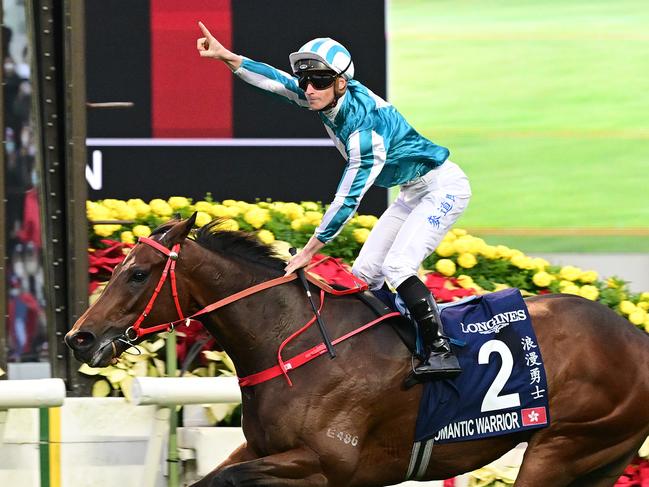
x,y
304,256
209,47
299,260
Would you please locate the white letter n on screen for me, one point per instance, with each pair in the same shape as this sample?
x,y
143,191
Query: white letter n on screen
x,y
93,174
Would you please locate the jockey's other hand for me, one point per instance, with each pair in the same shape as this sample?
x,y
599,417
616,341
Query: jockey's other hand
x,y
298,261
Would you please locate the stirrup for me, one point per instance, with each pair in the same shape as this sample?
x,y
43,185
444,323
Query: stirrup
x,y
451,370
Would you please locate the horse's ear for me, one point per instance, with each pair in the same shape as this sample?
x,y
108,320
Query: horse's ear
x,y
180,230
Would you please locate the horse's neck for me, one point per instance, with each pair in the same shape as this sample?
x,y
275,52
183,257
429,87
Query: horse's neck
x,y
251,329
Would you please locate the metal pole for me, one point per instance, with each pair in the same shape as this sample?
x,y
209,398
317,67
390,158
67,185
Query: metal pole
x,y
3,291
172,457
75,177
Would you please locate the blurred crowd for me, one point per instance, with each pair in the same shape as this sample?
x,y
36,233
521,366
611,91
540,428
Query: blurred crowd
x,y
26,327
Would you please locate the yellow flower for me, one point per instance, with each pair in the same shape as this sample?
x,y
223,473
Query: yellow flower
x,y
314,217
612,283
105,230
96,212
446,267
445,249
310,206
228,202
570,273
489,251
450,237
360,234
127,237
202,218
503,251
466,244
140,207
243,206
299,223
523,262
571,289
539,263
500,286
233,211
588,277
638,317
293,211
160,207
367,221
229,225
467,260
466,281
644,305
111,203
125,212
266,236
257,217
205,206
141,231
644,296
627,307
220,211
589,292
459,232
542,279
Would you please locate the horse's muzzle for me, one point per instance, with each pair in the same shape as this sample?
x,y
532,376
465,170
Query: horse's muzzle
x,y
85,346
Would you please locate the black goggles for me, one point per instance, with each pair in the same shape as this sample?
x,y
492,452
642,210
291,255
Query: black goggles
x,y
320,81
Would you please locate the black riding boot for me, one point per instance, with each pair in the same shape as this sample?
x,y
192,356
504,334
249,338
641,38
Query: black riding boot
x,y
439,361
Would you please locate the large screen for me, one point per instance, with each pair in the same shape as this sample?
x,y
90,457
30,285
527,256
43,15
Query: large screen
x,y
193,127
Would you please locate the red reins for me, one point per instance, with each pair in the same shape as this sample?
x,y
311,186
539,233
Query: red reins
x,y
135,331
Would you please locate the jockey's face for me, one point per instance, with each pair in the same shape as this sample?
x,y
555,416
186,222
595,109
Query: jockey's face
x,y
319,99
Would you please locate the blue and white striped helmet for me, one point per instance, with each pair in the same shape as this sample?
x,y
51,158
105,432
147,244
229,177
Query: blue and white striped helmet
x,y
329,52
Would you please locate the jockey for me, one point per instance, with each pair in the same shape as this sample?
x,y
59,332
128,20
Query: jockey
x,y
381,148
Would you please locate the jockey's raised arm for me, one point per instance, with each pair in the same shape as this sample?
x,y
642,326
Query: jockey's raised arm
x,y
270,79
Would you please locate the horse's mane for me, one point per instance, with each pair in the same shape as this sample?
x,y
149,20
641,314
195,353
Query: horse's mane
x,y
236,244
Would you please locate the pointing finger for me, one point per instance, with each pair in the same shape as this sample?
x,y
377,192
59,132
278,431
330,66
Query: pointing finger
x,y
206,32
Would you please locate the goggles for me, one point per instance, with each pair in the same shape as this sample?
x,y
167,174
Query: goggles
x,y
320,81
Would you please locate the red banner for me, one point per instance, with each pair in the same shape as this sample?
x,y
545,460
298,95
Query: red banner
x,y
190,96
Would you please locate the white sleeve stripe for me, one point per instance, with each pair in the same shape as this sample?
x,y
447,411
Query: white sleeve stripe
x,y
271,85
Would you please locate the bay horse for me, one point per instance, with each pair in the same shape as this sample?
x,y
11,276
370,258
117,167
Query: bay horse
x,y
597,367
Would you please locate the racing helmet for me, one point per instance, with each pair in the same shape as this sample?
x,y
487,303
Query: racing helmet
x,y
323,54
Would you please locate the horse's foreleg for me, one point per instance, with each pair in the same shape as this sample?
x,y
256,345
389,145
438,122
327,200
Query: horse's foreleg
x,y
299,467
241,454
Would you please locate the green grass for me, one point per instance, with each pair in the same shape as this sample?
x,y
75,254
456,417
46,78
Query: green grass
x,y
543,103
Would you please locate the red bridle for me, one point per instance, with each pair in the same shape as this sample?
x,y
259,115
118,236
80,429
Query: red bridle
x,y
135,331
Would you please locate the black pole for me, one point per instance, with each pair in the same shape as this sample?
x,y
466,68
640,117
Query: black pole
x,y
323,330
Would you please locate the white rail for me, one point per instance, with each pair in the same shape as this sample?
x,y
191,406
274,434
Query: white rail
x,y
33,393
168,391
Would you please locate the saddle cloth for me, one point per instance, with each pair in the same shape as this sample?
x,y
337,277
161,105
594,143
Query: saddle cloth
x,y
502,388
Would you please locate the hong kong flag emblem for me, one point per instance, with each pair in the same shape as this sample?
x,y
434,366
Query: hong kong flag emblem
x,y
533,416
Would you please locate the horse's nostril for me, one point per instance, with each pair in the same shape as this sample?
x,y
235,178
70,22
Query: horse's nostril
x,y
81,340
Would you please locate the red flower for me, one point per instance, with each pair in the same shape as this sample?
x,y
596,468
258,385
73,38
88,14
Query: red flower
x,y
635,475
446,289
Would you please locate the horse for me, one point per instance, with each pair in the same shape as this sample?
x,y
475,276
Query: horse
x,y
597,368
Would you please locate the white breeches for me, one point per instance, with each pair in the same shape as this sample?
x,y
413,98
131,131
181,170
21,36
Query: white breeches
x,y
413,226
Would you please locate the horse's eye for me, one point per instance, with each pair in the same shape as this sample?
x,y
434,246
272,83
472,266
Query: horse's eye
x,y
139,276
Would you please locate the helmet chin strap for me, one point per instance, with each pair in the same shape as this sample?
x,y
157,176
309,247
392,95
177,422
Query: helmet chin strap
x,y
334,102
